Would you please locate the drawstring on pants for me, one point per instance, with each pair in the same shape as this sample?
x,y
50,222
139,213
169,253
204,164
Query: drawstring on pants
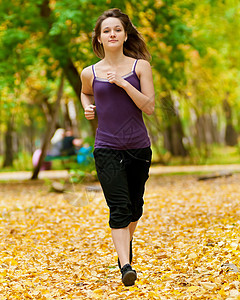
x,y
133,156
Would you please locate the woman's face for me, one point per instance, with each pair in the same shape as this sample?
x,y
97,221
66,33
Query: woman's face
x,y
112,33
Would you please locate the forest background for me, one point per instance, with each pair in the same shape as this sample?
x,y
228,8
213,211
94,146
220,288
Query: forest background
x,y
45,44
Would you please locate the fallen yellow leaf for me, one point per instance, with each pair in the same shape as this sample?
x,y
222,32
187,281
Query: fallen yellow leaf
x,y
209,285
192,288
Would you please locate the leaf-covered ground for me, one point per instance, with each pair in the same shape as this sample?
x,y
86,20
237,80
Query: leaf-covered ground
x,y
186,245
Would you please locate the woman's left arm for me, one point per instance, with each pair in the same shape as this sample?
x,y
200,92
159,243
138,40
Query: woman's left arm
x,y
144,99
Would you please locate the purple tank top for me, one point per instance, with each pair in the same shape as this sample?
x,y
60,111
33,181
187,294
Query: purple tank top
x,y
120,121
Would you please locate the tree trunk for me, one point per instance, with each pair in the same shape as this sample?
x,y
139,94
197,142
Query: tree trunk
x,y
71,116
50,130
231,136
155,132
67,119
206,130
200,132
31,136
67,65
1,143
8,159
173,134
213,124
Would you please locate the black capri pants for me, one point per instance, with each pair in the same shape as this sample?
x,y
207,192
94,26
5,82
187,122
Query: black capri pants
x,y
122,175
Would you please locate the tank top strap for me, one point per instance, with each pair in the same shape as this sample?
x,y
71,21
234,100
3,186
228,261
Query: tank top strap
x,y
134,65
93,70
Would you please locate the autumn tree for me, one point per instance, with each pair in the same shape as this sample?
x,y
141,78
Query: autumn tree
x,y
195,61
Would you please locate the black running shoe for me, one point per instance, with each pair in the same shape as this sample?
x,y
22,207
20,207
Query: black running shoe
x,y
128,275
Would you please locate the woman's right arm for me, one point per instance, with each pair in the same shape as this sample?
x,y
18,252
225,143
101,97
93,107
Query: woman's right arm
x,y
87,98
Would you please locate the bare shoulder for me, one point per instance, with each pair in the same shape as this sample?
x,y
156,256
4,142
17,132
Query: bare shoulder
x,y
87,80
87,73
142,63
143,67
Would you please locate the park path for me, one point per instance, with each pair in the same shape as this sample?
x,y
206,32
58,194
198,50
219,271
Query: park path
x,y
186,245
155,170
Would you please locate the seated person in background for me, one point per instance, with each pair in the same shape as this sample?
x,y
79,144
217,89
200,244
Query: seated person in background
x,y
64,143
70,143
56,143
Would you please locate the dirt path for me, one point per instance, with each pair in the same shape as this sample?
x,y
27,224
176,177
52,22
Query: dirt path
x,y
155,170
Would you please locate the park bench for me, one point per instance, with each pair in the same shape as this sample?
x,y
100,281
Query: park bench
x,y
83,157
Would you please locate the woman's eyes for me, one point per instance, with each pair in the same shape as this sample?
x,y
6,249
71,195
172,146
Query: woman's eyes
x,y
118,30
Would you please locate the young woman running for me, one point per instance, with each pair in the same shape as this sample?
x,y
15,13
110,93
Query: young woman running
x,y
119,88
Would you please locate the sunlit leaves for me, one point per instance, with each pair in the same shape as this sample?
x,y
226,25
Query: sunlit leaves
x,y
186,245
194,47
12,37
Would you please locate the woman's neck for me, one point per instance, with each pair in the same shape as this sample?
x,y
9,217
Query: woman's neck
x,y
113,58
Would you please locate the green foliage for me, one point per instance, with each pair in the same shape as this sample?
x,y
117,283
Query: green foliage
x,y
12,37
194,48
22,162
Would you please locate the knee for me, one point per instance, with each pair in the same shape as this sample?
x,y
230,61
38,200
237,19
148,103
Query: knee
x,y
118,220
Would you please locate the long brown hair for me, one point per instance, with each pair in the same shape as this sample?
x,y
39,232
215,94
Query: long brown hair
x,y
134,46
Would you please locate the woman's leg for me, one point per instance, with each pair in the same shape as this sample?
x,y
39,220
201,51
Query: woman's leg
x,y
121,241
132,227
